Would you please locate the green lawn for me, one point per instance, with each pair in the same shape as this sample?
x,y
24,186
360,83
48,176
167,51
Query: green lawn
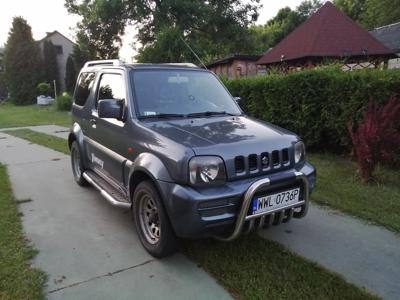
x,y
251,267
18,280
16,116
340,186
39,138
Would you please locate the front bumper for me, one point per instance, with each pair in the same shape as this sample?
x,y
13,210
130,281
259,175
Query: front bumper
x,y
223,211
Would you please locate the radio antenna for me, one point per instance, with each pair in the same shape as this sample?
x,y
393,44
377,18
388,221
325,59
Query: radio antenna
x,y
194,53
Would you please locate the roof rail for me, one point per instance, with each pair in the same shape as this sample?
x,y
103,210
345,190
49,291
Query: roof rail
x,y
107,62
182,64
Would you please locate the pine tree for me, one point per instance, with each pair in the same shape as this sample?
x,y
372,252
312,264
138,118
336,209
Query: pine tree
x,y
22,63
70,75
50,66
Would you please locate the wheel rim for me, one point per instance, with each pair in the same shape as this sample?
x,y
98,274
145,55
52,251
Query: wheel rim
x,y
149,218
76,163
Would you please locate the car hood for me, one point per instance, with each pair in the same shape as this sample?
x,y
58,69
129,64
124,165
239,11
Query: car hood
x,y
224,135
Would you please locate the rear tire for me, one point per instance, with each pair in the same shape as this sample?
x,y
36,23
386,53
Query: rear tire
x,y
152,223
77,165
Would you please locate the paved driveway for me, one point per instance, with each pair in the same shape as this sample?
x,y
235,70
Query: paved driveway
x,y
89,248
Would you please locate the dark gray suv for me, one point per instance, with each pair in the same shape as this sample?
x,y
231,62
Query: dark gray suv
x,y
169,142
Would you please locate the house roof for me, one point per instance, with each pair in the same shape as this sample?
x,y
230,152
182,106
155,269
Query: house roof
x,y
228,59
327,33
389,35
49,34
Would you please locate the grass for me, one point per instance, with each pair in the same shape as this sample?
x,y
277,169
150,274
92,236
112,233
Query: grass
x,y
17,116
339,186
42,139
18,280
254,268
251,267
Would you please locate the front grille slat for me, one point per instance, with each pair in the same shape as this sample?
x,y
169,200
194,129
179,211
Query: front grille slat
x,y
264,161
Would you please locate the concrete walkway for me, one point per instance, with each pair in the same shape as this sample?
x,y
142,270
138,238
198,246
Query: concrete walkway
x,y
88,248
365,255
55,130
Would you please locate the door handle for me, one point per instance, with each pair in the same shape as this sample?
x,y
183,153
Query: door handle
x,y
92,123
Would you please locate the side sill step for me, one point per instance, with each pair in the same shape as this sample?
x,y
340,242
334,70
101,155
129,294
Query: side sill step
x,y
106,190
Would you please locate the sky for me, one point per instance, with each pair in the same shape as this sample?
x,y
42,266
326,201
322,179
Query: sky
x,y
49,15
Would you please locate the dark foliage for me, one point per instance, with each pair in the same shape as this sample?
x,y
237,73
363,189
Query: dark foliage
x,y
22,63
70,75
316,104
50,65
377,137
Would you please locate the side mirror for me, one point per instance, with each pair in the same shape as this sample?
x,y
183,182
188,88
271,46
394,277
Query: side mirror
x,y
237,99
110,108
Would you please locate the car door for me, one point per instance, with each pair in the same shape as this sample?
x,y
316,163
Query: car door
x,y
107,137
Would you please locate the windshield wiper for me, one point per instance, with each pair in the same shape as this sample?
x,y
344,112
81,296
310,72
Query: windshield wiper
x,y
162,116
210,113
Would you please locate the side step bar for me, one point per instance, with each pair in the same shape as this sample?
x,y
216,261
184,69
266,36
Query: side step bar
x,y
108,195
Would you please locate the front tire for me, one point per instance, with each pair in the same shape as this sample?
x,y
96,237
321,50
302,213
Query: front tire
x,y
77,165
152,223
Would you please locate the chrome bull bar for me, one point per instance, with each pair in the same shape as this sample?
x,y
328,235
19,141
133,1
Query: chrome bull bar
x,y
248,197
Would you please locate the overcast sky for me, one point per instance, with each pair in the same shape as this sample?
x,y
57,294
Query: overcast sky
x,y
49,15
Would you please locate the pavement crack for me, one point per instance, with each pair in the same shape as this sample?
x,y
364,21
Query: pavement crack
x,y
101,276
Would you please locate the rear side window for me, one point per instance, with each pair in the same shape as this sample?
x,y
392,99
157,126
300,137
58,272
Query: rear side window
x,y
111,87
83,87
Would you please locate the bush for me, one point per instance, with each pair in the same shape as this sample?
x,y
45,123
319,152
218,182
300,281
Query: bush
x,y
44,88
64,102
377,137
316,104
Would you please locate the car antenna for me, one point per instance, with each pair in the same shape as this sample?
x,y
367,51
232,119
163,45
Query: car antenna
x,y
194,53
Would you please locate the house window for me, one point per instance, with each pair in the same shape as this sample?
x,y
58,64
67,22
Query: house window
x,y
59,49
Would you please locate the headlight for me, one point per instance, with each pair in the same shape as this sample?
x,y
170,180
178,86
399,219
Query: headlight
x,y
204,170
299,152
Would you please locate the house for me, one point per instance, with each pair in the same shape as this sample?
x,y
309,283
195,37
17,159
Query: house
x,y
389,35
64,47
330,35
234,66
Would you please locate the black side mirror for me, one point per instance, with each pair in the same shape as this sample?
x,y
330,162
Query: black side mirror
x,y
110,108
237,99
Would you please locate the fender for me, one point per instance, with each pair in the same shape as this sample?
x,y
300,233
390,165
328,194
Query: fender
x,y
151,165
77,134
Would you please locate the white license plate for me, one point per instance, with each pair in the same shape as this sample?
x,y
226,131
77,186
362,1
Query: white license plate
x,y
275,201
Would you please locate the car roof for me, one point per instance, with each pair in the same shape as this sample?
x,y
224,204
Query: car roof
x,y
117,64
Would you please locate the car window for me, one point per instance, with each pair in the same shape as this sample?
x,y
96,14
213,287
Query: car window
x,y
83,87
111,87
180,92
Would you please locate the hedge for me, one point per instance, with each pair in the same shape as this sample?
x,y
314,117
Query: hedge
x,y
316,104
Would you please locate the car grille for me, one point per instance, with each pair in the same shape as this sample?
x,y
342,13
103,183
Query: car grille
x,y
265,161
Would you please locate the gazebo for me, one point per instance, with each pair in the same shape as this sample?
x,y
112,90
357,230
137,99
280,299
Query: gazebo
x,y
327,35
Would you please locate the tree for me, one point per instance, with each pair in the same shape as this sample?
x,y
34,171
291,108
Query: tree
x,y
50,65
213,28
355,9
21,62
276,29
70,75
381,12
102,25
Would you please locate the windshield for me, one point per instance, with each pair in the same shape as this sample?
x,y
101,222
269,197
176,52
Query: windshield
x,y
181,93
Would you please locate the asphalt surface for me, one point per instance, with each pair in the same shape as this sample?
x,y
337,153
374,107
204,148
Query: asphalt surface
x,y
88,248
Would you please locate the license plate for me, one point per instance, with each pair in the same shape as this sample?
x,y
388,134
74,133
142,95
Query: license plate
x,y
275,201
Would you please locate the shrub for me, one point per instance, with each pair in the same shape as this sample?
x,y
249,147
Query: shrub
x,y
44,88
377,137
316,104
64,102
